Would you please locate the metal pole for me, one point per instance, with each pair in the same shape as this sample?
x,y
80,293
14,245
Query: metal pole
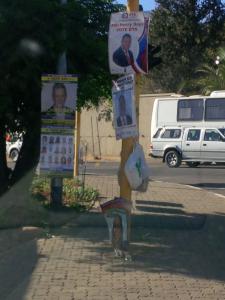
x,y
57,182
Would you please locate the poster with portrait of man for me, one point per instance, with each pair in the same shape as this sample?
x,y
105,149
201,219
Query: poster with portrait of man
x,y
128,43
58,105
125,123
58,101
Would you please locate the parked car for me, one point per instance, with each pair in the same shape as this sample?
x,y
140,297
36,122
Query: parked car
x,y
191,145
13,147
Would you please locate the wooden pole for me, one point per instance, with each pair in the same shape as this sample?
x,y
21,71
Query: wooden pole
x,y
77,144
128,144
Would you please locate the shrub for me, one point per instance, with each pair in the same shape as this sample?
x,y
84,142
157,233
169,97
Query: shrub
x,y
75,195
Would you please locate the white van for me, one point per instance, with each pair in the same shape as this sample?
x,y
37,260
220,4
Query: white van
x,y
192,145
199,111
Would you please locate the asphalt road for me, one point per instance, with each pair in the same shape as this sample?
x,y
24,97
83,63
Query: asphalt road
x,y
210,177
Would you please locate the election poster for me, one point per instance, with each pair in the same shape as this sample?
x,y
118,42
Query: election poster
x,y
124,111
128,43
58,105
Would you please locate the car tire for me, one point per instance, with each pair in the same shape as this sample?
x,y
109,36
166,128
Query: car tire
x,y
14,153
192,164
173,159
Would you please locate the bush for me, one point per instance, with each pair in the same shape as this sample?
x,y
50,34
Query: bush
x,y
75,196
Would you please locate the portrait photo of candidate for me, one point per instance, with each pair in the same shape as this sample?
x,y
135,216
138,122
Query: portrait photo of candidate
x,y
55,101
123,56
63,160
50,159
51,140
69,160
44,139
124,118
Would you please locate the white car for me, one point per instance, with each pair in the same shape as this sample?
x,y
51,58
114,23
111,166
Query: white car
x,y
13,148
193,145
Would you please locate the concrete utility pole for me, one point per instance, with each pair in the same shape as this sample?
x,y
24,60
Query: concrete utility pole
x,y
57,182
128,144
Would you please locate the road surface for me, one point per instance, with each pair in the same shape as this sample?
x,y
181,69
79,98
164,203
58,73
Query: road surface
x,y
210,177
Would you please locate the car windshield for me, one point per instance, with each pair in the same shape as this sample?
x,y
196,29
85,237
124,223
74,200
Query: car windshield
x,y
222,130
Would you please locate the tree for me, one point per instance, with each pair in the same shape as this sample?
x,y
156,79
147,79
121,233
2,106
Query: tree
x,y
87,47
212,77
29,46
32,37
185,30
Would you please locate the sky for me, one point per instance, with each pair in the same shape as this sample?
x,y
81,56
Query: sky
x,y
147,4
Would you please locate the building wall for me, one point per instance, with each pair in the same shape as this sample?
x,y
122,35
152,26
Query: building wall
x,y
99,136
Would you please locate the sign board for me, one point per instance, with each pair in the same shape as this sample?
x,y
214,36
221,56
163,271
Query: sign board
x,y
125,123
128,43
58,104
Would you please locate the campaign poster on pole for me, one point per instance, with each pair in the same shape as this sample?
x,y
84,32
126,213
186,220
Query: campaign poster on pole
x,y
125,123
58,105
128,43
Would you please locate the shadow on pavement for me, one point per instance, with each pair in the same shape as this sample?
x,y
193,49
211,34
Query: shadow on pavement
x,y
16,268
194,253
164,210
210,185
158,203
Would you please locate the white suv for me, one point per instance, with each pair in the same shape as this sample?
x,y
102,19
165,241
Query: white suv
x,y
191,145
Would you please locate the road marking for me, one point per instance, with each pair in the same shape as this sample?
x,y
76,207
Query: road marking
x,y
213,188
192,187
218,195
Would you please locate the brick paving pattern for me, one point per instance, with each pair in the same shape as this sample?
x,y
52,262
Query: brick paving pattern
x,y
78,263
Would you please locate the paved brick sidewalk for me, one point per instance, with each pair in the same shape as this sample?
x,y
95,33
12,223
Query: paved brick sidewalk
x,y
78,263
162,197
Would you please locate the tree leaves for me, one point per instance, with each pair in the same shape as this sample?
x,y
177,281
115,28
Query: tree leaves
x,y
186,30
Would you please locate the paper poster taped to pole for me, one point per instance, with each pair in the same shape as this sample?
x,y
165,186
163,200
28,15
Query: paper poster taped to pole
x,y
128,43
58,105
125,123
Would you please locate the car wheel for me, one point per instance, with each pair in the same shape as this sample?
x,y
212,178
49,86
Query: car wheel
x,y
173,159
14,153
192,164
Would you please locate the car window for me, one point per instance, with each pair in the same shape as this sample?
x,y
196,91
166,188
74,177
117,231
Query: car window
x,y
215,109
194,135
190,110
212,135
171,134
157,133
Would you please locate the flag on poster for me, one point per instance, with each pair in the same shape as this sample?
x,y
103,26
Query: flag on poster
x,y
128,43
125,123
58,105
